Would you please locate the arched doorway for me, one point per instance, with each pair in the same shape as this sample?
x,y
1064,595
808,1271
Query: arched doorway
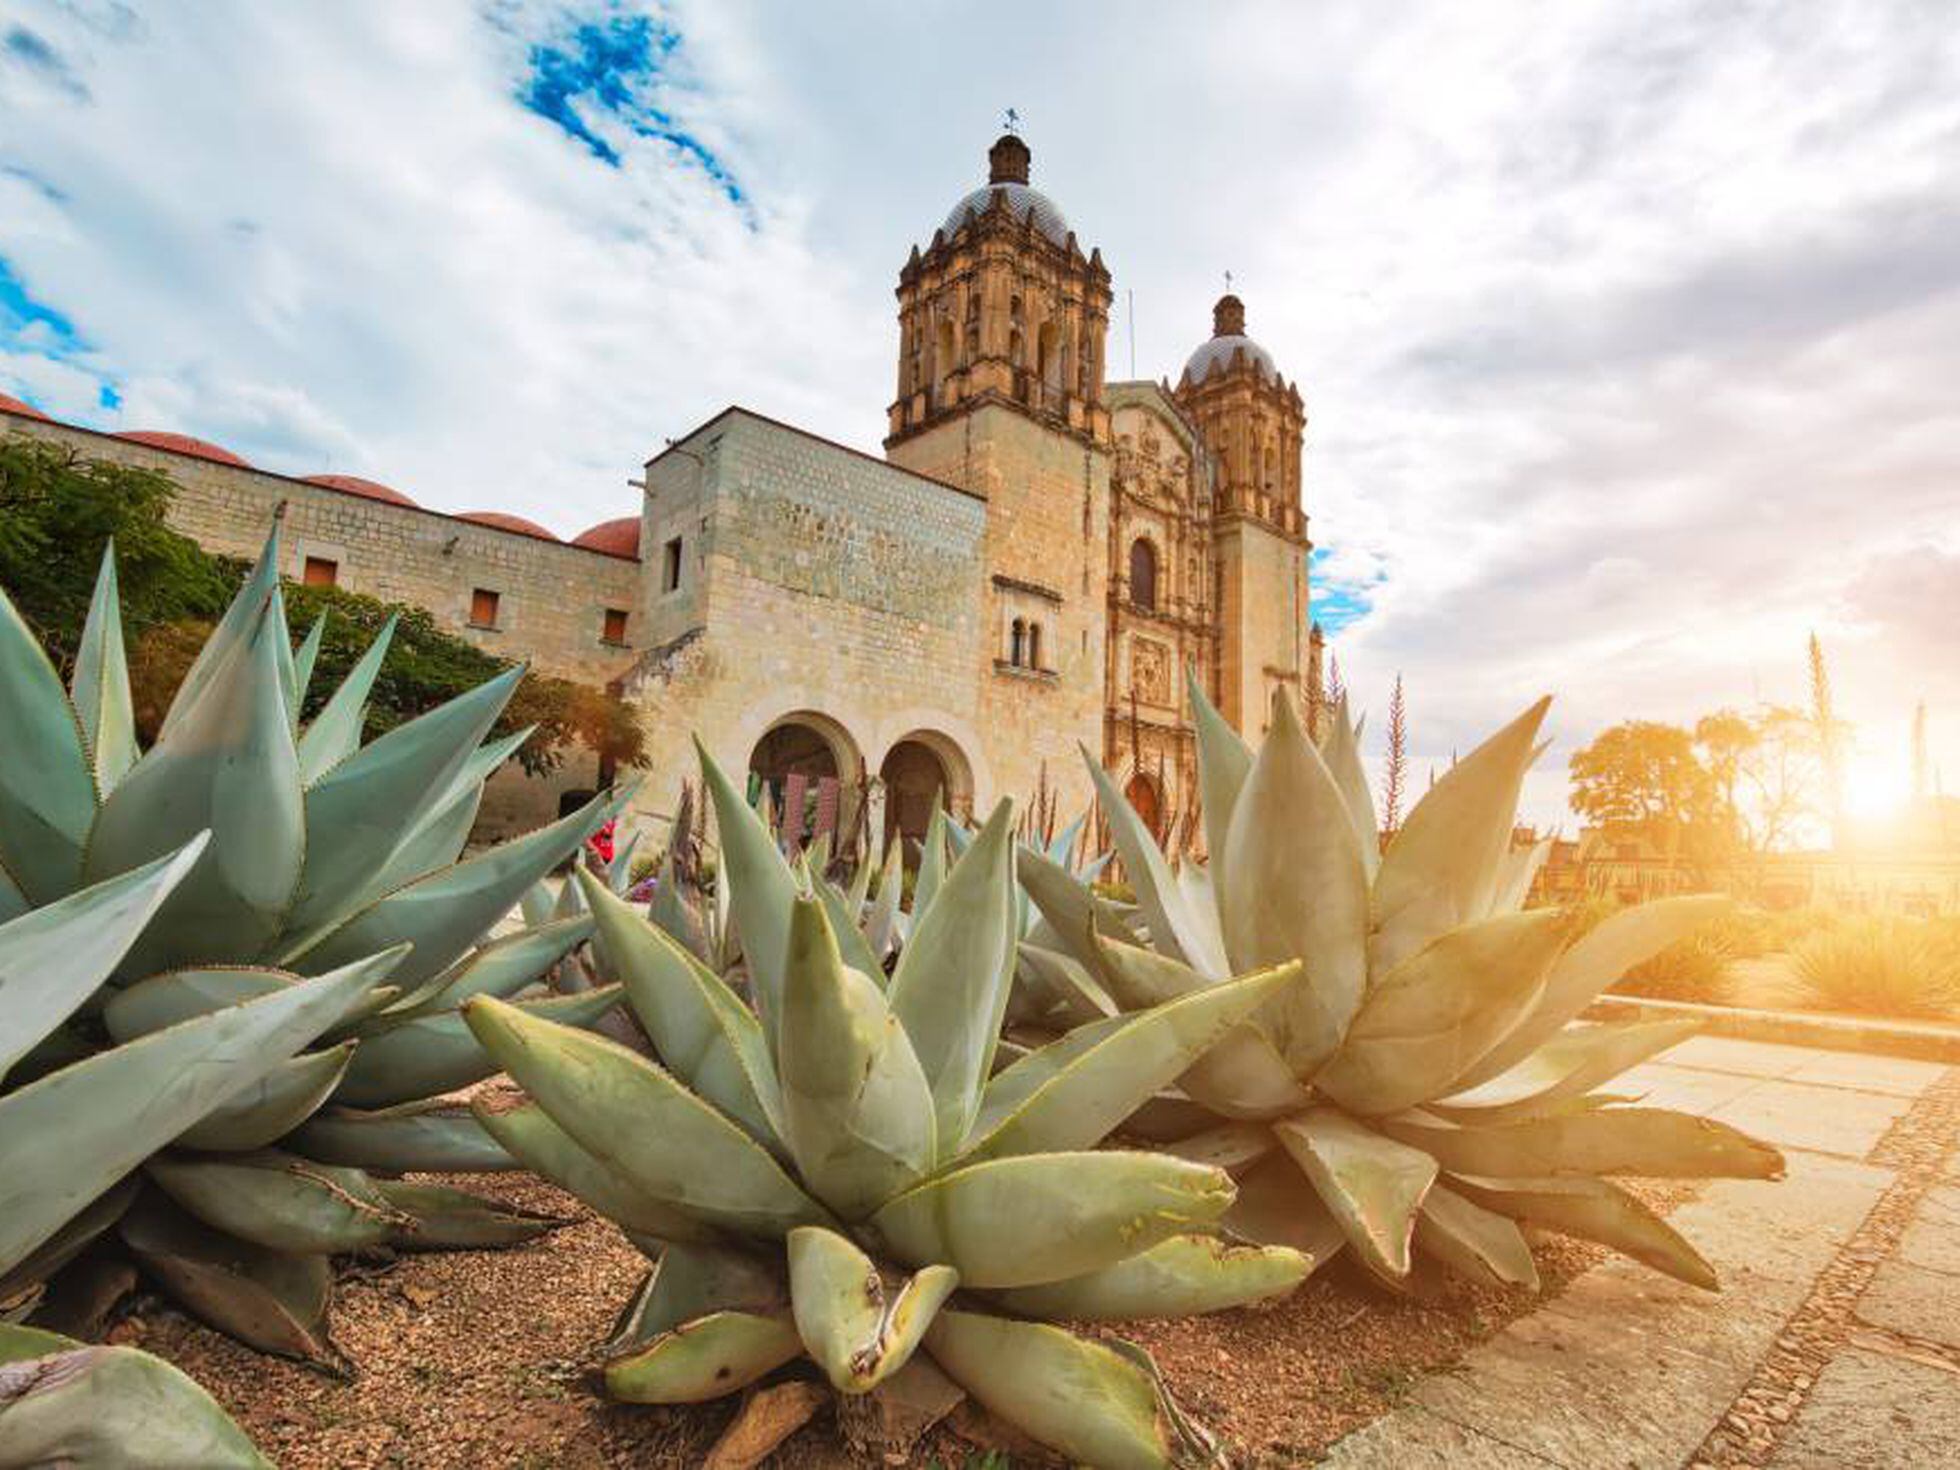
x,y
1142,796
811,769
915,782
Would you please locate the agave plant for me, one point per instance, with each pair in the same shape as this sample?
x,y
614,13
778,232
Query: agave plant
x,y
1425,1089
840,1173
187,918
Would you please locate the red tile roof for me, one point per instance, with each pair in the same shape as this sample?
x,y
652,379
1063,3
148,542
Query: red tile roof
x,y
367,489
499,520
185,444
616,538
25,410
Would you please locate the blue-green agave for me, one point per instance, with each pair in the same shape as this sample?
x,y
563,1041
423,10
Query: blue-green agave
x,y
1426,1089
840,1171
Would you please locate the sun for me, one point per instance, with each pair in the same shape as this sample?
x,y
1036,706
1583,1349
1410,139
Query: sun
x,y
1875,789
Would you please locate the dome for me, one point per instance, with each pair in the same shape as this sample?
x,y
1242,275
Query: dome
x,y
1228,337
615,538
497,520
1007,174
366,489
25,410
184,444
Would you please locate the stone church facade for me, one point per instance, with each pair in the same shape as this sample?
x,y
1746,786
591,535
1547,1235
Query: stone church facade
x,y
1030,567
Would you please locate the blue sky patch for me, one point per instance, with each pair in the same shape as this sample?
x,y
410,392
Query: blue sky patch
x,y
34,328
1335,604
611,66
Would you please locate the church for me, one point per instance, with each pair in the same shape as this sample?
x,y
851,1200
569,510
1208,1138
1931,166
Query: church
x,y
1028,569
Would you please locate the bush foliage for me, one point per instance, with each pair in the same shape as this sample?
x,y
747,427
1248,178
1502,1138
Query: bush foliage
x,y
1880,967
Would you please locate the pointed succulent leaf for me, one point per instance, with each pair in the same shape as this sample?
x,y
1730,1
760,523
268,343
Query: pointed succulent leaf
x,y
55,957
1095,1090
74,1237
67,1137
932,861
371,802
1596,1210
699,1027
282,650
1442,868
1054,986
236,629
99,685
179,995
304,658
859,1332
881,927
280,1201
1296,889
273,1106
274,1301
844,928
440,837
13,903
433,1136
1480,1245
950,988
47,786
715,1354
1570,1065
691,1280
96,1407
1096,1403
1515,874
501,968
441,1218
1372,1184
1429,1020
1340,748
1224,762
1653,1142
1180,1277
400,1060
547,1150
1174,929
857,1110
1072,1213
225,765
859,893
1277,1206
1233,1147
636,1118
335,732
1072,907
760,888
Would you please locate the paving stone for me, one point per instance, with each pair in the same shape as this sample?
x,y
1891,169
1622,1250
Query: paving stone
x,y
1876,1412
1895,1075
1915,1301
1413,1437
1659,1085
1932,1240
1749,1058
1824,1119
1756,1232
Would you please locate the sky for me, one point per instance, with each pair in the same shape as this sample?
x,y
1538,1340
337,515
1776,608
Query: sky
x,y
1629,335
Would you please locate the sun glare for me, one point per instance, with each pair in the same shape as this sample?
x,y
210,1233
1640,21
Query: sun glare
x,y
1876,789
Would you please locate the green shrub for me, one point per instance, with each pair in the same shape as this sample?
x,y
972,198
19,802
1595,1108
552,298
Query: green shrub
x,y
1692,969
1879,967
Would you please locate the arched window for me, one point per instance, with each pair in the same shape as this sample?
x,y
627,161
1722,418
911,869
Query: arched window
x,y
1018,643
1034,645
1015,350
1143,575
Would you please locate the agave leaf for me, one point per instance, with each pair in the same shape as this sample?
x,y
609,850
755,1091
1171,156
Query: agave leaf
x,y
335,732
67,1137
1055,985
235,629
950,988
672,914
13,903
1655,1142
1091,1401
441,1218
1233,1147
844,929
99,685
548,1151
1429,1020
1340,748
1515,873
179,995
372,801
1173,927
859,893
270,1300
282,650
1072,1213
1596,1210
440,837
1297,890
858,1333
274,1105
760,886
99,1408
1441,870
1277,1206
1179,1277
47,789
54,958
1224,762
619,872
857,1109
226,764
690,1281
304,659
881,928
501,968
1072,907
698,1025
715,1354
280,1201
636,1118
1570,1065
1372,1184
1478,1244
70,1240
433,1136
448,912
423,1056
932,861
1593,962
1094,1090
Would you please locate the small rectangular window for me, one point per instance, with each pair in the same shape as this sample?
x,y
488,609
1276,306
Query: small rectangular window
x,y
615,626
483,608
670,566
320,571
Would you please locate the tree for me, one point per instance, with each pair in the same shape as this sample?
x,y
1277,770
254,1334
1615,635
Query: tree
x,y
1398,762
1830,736
1641,773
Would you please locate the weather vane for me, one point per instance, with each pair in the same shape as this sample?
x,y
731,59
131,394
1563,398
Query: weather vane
x,y
1228,283
1013,121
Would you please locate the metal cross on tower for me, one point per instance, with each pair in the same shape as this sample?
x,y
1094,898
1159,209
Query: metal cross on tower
x,y
1228,283
1013,121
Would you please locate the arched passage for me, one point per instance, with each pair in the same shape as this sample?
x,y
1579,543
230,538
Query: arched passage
x,y
1144,801
922,769
811,766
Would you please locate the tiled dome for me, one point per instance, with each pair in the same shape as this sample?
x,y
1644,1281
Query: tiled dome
x,y
1007,174
616,538
501,521
25,410
185,444
1228,337
366,489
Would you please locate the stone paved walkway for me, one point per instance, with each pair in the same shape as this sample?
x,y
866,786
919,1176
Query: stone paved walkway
x,y
1835,1341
